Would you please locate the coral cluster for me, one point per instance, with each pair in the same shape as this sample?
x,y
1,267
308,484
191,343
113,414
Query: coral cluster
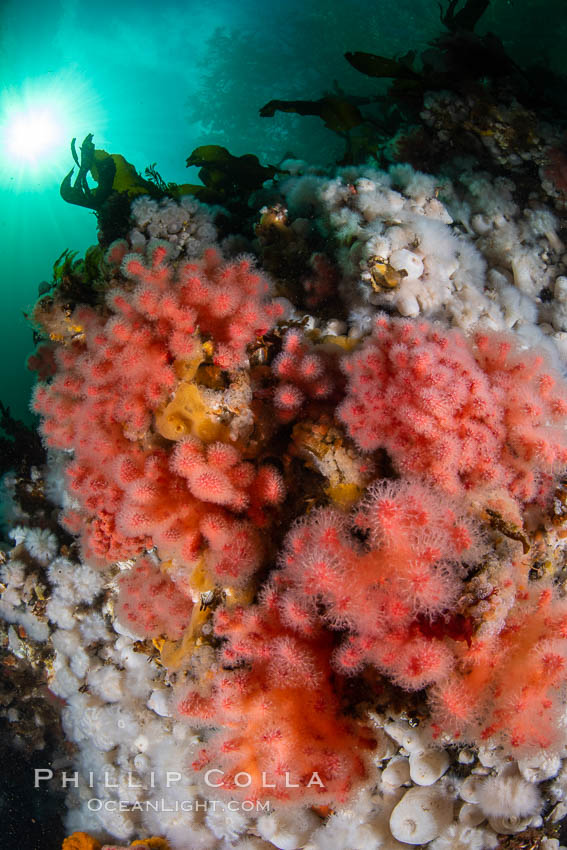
x,y
283,736
294,562
464,413
151,604
189,403
390,596
303,375
129,380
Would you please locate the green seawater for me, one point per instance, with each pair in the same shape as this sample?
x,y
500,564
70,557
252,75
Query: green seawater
x,y
154,80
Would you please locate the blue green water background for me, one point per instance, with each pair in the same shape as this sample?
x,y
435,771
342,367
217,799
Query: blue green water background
x,y
154,80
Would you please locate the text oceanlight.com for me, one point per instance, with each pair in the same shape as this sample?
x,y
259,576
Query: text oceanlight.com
x,y
95,804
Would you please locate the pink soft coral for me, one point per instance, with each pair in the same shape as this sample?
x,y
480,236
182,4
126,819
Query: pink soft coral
x,y
216,473
229,302
509,683
385,593
131,493
304,375
282,733
150,604
394,580
464,413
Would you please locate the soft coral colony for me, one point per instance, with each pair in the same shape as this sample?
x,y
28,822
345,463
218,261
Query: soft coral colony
x,y
180,402
298,539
